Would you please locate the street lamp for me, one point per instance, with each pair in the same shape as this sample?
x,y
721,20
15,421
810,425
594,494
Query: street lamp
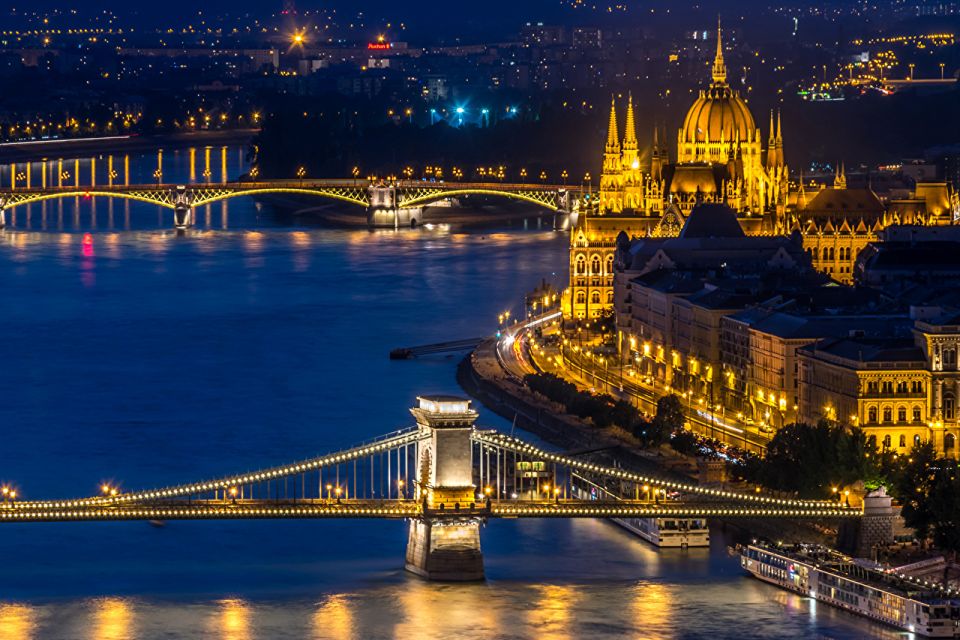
x,y
158,174
300,173
564,175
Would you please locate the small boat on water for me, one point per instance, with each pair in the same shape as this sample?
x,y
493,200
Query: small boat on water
x,y
858,586
159,524
669,532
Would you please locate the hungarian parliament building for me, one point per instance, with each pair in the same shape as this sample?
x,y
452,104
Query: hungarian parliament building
x,y
722,157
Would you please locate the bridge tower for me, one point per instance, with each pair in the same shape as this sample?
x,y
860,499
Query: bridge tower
x,y
443,545
385,212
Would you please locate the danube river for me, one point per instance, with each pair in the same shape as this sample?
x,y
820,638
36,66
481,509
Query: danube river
x,y
144,358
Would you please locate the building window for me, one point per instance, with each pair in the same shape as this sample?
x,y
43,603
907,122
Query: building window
x,y
872,415
902,386
581,297
886,441
887,415
901,415
917,386
581,265
610,297
595,297
916,440
887,386
873,386
948,407
609,265
903,441
872,441
949,442
595,266
917,414
949,358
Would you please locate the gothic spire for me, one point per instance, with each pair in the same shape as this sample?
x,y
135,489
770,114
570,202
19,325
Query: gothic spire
x,y
613,140
719,68
630,133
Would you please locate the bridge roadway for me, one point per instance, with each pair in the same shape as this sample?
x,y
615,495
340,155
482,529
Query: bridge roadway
x,y
402,509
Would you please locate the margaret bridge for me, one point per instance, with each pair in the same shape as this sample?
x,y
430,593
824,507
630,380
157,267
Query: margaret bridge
x,y
388,204
445,475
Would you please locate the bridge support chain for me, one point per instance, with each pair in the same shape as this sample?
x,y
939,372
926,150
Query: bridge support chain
x,y
445,549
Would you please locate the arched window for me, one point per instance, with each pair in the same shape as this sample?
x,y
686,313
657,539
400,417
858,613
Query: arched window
x,y
872,441
581,265
872,415
581,297
916,440
886,441
609,265
610,297
887,414
903,441
917,414
595,265
595,297
949,442
901,415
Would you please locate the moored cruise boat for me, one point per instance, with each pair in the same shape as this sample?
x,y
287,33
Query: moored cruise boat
x,y
669,532
829,576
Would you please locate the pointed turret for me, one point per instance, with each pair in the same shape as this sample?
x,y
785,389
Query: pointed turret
x,y
802,195
613,140
611,178
719,68
630,132
840,180
656,160
631,158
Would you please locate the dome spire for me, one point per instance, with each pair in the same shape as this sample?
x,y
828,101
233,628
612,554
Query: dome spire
x,y
719,68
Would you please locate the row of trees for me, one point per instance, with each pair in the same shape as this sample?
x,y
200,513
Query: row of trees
x,y
605,410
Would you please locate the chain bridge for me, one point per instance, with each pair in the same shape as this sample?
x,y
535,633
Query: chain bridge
x,y
445,476
388,204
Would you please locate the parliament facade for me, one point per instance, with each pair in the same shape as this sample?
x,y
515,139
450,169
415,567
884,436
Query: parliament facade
x,y
723,157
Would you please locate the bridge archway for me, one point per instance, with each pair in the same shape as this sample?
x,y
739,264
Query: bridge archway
x,y
547,199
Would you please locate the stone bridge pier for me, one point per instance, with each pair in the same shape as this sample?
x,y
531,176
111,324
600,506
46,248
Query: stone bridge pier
x,y
443,545
183,217
383,211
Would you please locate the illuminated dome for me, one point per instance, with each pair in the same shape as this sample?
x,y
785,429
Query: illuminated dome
x,y
719,111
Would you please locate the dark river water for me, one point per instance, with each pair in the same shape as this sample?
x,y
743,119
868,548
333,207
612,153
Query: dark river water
x,y
148,358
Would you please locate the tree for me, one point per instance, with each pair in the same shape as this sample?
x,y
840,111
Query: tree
x,y
812,460
668,420
943,505
911,482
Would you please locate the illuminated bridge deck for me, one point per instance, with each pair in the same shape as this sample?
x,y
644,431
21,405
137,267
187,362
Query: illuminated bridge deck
x,y
401,509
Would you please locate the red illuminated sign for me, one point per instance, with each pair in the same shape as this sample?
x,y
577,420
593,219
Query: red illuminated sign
x,y
378,46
